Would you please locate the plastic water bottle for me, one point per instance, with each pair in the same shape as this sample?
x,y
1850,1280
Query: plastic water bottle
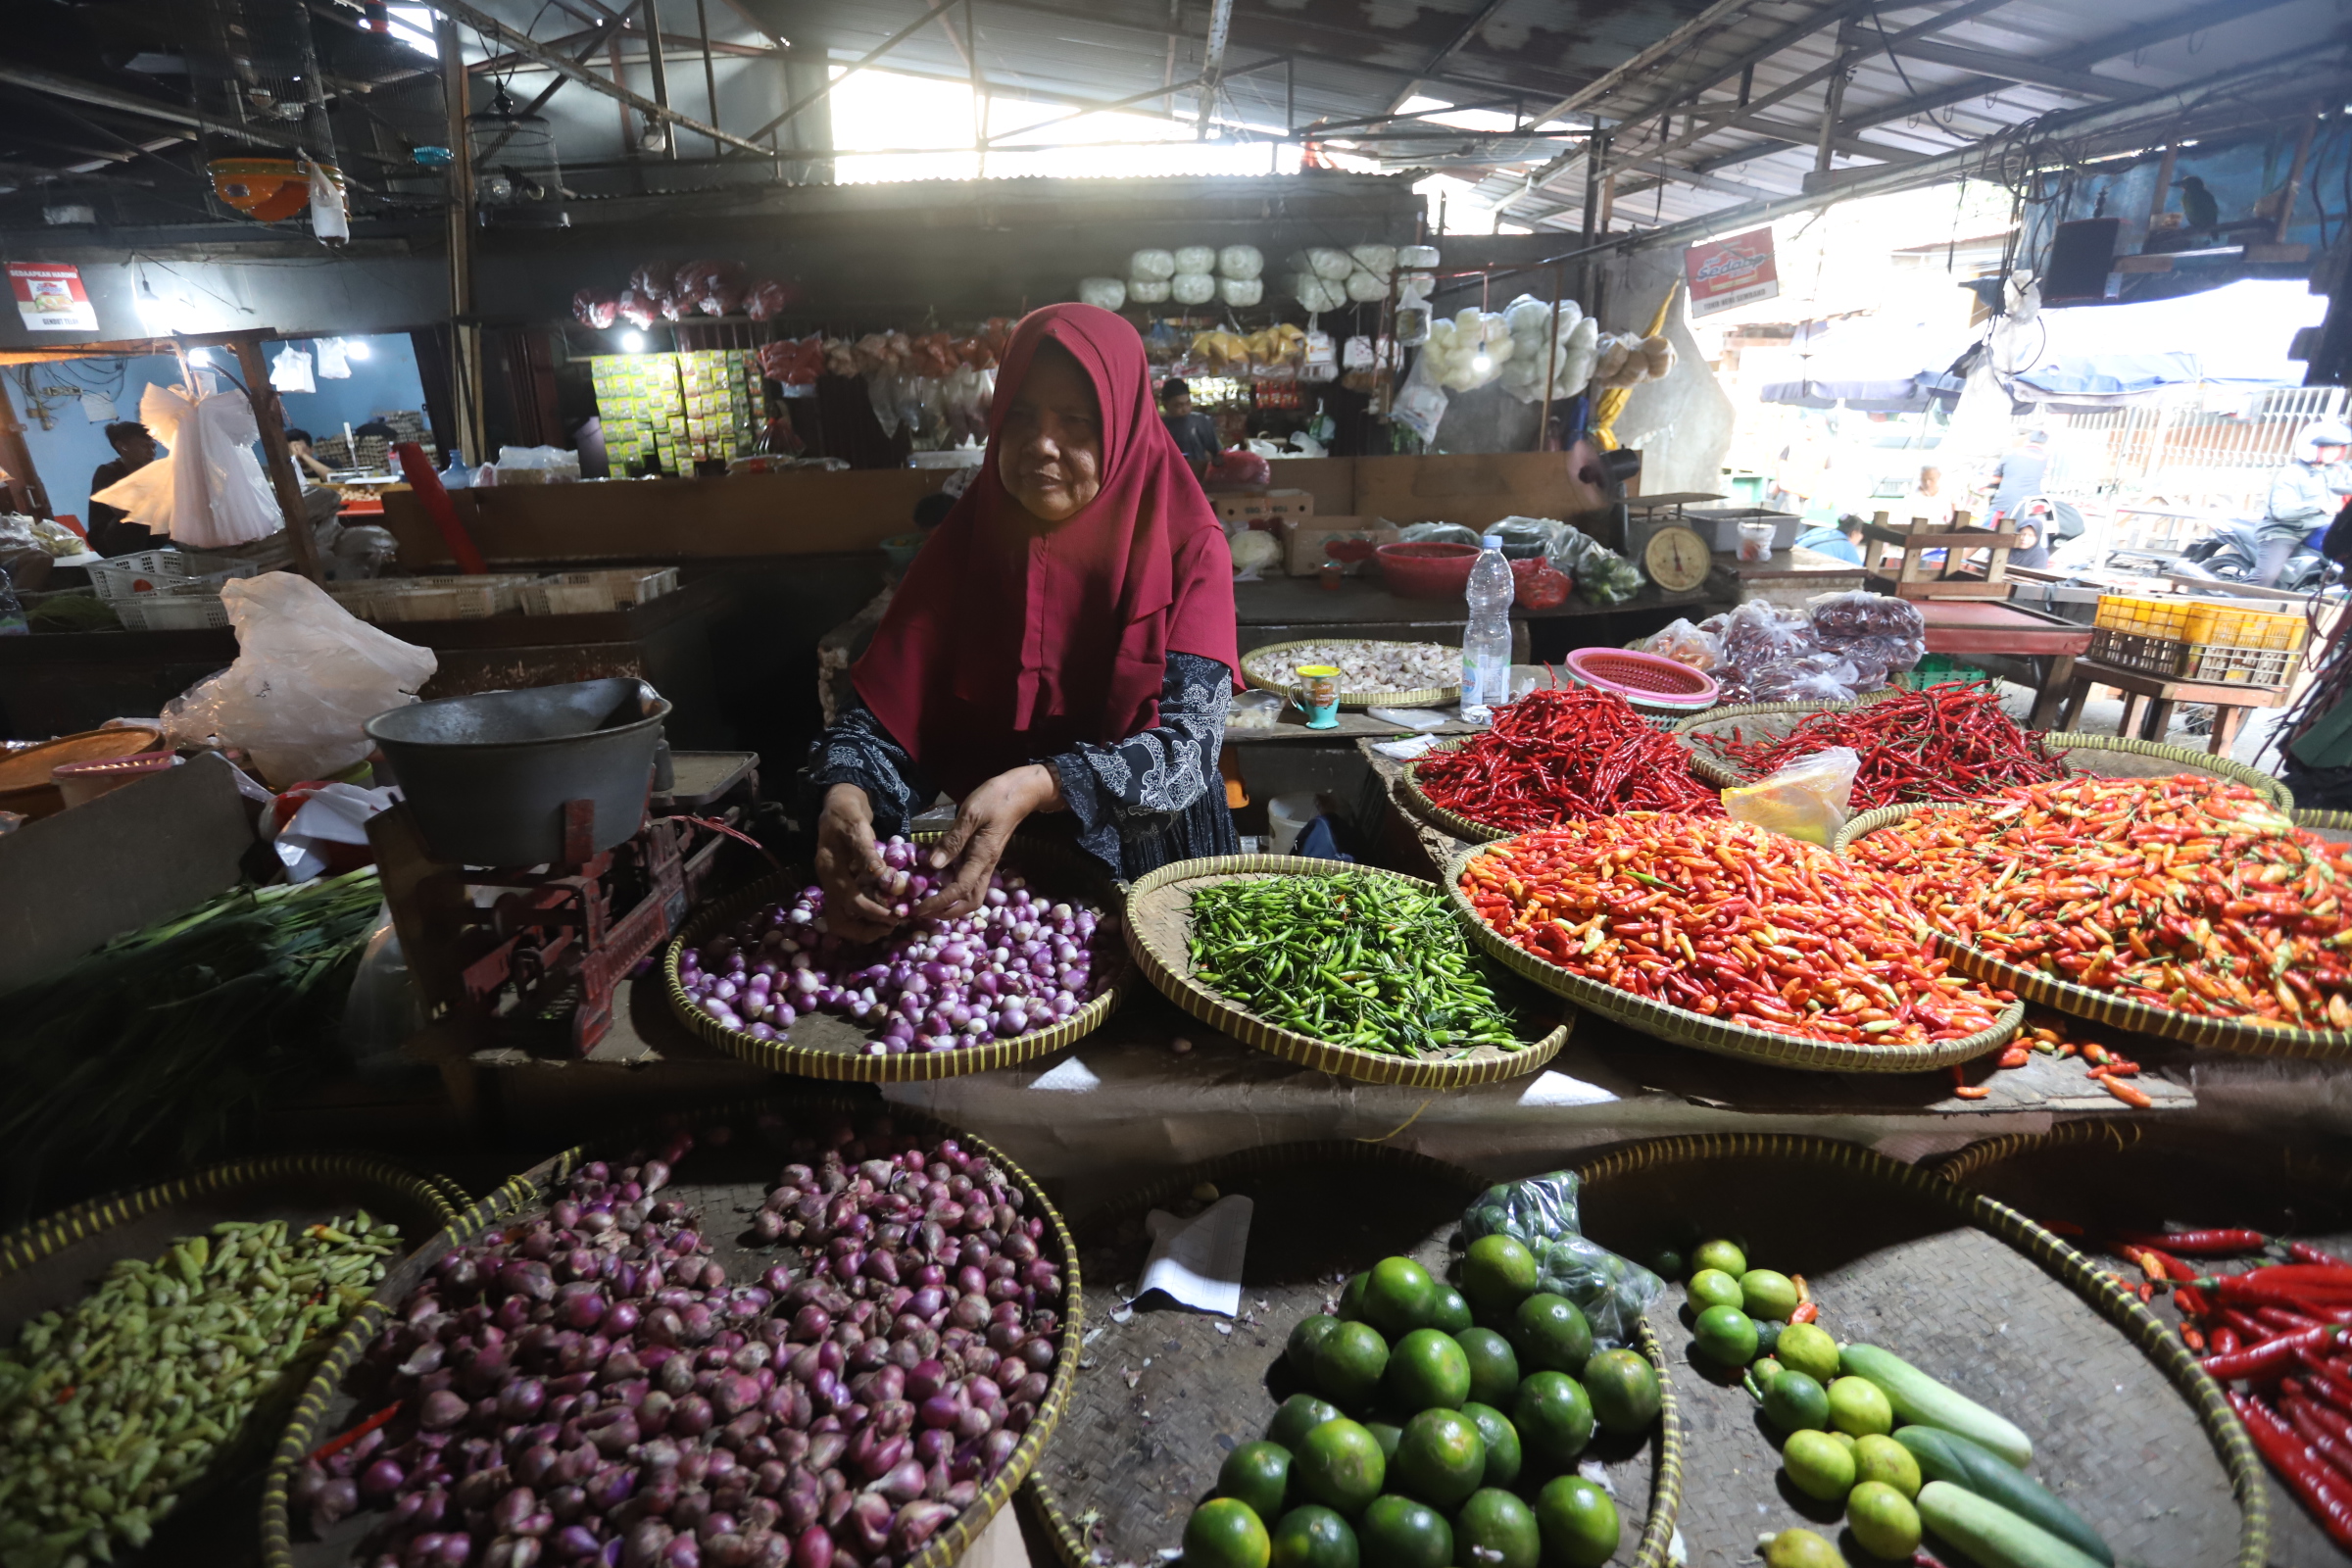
x,y
1486,637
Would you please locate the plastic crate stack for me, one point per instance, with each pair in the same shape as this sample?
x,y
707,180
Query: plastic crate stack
x,y
2196,639
597,593
161,590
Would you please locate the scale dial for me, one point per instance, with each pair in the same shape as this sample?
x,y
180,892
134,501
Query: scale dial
x,y
1676,558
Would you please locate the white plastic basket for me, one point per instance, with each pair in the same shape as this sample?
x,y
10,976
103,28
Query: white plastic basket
x,y
597,593
122,577
183,607
442,599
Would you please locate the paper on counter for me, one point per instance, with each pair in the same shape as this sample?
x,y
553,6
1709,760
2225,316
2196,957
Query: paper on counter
x,y
1198,1261
1409,717
1404,751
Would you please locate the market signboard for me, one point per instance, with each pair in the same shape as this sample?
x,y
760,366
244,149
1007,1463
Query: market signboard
x,y
1725,272
50,298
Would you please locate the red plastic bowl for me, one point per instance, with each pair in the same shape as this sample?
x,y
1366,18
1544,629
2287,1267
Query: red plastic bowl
x,y
1647,680
1428,570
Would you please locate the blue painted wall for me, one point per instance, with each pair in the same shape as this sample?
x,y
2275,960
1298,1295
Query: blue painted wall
x,y
73,446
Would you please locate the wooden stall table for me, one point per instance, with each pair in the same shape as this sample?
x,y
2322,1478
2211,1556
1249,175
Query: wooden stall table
x,y
2230,700
1985,626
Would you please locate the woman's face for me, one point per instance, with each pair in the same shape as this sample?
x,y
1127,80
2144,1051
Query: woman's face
x,y
1049,449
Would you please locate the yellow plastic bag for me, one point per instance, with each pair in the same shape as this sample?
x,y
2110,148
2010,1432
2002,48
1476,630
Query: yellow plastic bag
x,y
1805,800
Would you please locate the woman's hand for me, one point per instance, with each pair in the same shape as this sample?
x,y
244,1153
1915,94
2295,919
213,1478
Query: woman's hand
x,y
982,828
848,865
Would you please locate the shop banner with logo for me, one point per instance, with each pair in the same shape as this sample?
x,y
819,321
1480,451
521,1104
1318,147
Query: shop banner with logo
x,y
1725,272
50,298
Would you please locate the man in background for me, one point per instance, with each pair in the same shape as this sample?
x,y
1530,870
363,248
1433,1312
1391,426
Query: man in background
x,y
110,534
1195,435
2017,476
306,462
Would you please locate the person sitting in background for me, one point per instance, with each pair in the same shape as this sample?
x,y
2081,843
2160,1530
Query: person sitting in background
x,y
109,531
1843,540
307,465
1195,435
1927,502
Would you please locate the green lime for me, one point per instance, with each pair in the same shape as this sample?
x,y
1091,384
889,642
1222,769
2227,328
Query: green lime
x,y
1225,1534
1624,1389
1551,1334
1859,1407
1801,1549
1883,1521
1398,1296
1578,1523
1848,1441
1386,1433
1493,1365
1301,1351
1817,1464
1502,1439
1667,1264
1723,1255
1768,1333
1340,1466
1712,1287
1442,1458
1352,1299
1794,1402
1553,1415
1398,1533
1299,1415
1427,1368
1881,1458
1257,1474
1766,1294
1809,1348
1497,1273
1452,1312
1495,1530
1348,1364
1313,1537
1766,1369
1724,1336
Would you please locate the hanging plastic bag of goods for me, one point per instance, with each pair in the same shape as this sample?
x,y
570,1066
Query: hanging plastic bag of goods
x,y
209,493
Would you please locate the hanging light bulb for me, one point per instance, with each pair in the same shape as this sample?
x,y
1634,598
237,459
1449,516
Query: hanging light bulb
x,y
655,136
632,340
154,315
356,348
1481,362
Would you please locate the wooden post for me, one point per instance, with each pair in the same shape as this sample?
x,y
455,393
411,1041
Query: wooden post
x,y
2295,179
2164,182
270,419
24,480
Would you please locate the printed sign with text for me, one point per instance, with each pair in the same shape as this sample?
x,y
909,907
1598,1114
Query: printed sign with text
x,y
1725,272
50,297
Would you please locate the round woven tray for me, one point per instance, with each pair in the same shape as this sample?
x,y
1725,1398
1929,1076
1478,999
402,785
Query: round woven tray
x,y
1425,697
53,1262
2108,1176
1756,721
2235,1036
823,1046
1132,1459
1437,816
2333,827
2124,1427
1158,924
725,1182
1683,1027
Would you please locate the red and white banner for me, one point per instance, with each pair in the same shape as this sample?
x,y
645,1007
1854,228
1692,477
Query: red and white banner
x,y
50,298
1725,272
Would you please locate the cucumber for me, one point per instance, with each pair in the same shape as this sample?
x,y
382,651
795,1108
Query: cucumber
x,y
1921,1400
1971,1467
1992,1536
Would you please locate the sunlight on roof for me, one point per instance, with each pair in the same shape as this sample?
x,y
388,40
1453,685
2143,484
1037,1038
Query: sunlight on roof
x,y
1461,118
901,128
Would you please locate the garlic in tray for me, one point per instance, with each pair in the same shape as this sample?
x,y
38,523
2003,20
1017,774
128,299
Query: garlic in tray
x,y
1363,666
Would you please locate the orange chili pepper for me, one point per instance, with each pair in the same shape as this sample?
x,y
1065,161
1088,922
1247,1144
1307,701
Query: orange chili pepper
x,y
2127,1094
1807,1312
1973,1092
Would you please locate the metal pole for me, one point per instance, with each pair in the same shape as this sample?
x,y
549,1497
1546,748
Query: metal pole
x,y
702,22
1551,361
1213,61
1833,104
650,12
465,380
2294,177
972,59
1596,152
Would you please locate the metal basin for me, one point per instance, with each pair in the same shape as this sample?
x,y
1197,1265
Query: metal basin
x,y
487,777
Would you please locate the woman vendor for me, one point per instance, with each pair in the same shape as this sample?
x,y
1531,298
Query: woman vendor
x,y
1064,642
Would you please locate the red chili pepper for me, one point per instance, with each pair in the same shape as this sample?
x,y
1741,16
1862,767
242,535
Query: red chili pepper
x,y
2304,1417
336,1444
2312,1481
2305,1253
1948,743
2191,1337
2325,1276
1807,1312
2270,1355
2201,1243
2282,1320
2223,1340
2324,1384
2301,1297
2249,1331
1564,753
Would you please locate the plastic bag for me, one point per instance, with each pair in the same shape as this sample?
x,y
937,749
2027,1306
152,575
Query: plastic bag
x,y
290,372
1541,1214
1538,584
1820,677
594,309
1882,655
1686,644
1805,800
1436,533
334,358
1843,616
210,494
308,675
1757,634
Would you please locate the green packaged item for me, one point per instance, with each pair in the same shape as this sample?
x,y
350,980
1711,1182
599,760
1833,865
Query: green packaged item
x,y
1541,1214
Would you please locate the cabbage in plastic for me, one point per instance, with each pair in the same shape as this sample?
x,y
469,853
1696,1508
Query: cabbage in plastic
x,y
1541,1214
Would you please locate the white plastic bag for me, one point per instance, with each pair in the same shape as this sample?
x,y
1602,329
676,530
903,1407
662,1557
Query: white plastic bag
x,y
331,224
291,370
308,675
210,494
1805,800
334,360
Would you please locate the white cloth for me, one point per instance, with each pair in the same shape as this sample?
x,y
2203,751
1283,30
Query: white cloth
x,y
209,493
334,365
1198,1261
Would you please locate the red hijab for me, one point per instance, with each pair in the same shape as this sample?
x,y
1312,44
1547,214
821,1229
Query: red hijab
x,y
1009,642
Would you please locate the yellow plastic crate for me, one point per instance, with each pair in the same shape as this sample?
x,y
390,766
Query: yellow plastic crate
x,y
2228,626
2143,617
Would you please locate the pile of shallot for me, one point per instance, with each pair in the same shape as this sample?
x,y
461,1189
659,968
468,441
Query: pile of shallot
x,y
586,1388
1363,666
1017,964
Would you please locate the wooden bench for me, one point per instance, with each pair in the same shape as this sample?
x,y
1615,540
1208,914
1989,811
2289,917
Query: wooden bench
x,y
2161,693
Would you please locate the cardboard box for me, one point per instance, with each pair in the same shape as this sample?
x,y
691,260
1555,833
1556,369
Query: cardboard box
x,y
1267,510
1304,540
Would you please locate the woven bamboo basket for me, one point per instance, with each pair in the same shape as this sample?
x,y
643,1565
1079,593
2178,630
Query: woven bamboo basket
x,y
2126,1428
1158,926
2236,1037
53,1262
2333,827
1756,721
735,1175
1117,1488
821,1045
1437,816
1421,696
1682,1027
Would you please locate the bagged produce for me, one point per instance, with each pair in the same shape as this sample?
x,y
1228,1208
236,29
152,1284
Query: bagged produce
x,y
765,299
1154,264
714,288
653,280
1541,1214
635,308
1240,292
1194,259
1366,288
1240,262
1193,288
1805,800
1686,644
592,308
1843,616
1317,293
1110,293
1329,263
1537,584
1821,677
672,308
1148,290
1757,634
